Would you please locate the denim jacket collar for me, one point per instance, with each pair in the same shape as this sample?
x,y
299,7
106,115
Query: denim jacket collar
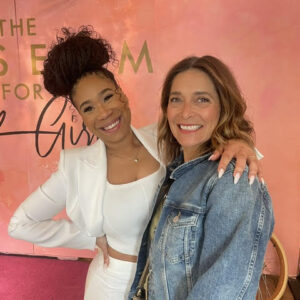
x,y
179,167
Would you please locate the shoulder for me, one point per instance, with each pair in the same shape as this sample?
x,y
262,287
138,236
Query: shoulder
x,y
226,182
75,152
90,153
149,130
148,137
227,178
241,193
228,174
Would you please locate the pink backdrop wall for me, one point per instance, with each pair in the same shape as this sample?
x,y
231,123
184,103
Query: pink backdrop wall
x,y
259,40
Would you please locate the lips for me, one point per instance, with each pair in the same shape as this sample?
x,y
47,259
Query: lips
x,y
112,125
189,127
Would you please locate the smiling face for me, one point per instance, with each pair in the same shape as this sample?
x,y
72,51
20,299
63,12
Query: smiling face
x,y
103,108
193,110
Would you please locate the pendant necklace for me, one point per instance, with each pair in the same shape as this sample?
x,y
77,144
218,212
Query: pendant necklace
x,y
135,159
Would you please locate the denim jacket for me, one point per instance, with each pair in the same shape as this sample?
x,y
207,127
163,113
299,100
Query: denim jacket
x,y
211,237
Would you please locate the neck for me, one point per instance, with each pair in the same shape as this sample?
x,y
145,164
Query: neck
x,y
193,152
188,155
125,146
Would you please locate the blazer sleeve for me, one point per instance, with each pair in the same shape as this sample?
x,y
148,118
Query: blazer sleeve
x,y
33,220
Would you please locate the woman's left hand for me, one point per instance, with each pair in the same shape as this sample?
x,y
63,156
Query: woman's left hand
x,y
101,242
243,153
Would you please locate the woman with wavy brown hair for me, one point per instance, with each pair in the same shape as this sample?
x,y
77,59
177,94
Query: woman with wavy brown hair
x,y
232,123
208,235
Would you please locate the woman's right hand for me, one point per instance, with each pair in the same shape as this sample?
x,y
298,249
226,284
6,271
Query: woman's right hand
x,y
101,242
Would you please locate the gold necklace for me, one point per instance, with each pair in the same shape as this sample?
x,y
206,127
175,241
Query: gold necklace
x,y
134,159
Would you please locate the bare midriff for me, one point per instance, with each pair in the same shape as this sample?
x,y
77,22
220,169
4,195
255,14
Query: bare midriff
x,y
121,256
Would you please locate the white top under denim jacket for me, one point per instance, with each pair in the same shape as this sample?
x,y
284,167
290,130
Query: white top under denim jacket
x,y
211,238
79,186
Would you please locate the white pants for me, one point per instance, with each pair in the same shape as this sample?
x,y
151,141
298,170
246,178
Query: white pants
x,y
109,283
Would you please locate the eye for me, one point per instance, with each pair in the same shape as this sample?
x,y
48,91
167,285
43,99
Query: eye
x,y
107,97
174,100
87,109
202,100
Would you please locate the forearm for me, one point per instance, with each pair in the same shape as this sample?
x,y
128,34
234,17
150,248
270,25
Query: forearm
x,y
49,233
33,220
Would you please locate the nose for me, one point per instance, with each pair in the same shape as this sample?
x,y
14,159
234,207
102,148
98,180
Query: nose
x,y
186,110
103,112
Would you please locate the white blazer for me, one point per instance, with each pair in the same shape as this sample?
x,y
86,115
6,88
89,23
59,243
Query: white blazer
x,y
78,185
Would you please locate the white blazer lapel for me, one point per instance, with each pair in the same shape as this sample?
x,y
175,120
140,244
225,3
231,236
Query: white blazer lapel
x,y
148,137
91,187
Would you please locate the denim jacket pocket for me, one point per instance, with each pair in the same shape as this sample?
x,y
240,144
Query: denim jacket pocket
x,y
180,235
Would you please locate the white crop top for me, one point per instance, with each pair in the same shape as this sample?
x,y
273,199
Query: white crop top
x,y
127,209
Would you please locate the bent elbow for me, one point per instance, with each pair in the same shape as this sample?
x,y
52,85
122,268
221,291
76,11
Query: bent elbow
x,y
13,227
17,224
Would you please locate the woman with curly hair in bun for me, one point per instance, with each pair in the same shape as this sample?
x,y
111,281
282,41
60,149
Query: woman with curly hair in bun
x,y
107,188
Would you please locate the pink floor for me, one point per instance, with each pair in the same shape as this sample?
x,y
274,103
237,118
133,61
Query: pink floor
x,y
34,278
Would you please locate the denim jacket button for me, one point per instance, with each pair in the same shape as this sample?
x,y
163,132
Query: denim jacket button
x,y
176,219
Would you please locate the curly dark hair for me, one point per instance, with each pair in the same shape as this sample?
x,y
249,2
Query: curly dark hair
x,y
74,55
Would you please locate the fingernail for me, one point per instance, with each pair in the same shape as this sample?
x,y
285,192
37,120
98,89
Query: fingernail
x,y
210,158
221,172
236,178
262,181
251,179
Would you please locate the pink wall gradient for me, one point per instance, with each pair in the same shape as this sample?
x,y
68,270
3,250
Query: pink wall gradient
x,y
258,40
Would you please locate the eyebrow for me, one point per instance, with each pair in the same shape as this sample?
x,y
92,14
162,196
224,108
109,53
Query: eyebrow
x,y
99,94
197,93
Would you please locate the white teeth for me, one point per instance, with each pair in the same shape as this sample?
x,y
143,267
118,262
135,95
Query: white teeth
x,y
190,127
111,126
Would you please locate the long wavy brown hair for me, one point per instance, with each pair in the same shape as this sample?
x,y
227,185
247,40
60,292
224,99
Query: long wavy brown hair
x,y
232,123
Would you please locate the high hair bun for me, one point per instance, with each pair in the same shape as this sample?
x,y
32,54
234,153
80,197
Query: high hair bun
x,y
73,55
